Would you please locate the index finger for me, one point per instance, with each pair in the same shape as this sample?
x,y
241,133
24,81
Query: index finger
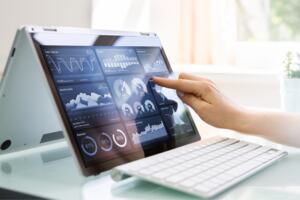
x,y
193,77
187,86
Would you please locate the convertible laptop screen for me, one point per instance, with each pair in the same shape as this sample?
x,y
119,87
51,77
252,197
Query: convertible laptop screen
x,y
112,106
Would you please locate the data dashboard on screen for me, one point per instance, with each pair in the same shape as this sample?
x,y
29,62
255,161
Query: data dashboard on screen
x,y
111,102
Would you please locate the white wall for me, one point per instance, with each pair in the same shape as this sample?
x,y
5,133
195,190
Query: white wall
x,y
14,13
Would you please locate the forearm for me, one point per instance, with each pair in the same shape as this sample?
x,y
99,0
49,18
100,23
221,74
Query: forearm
x,y
277,126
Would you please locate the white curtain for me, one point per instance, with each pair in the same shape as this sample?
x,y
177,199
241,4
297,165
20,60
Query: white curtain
x,y
192,31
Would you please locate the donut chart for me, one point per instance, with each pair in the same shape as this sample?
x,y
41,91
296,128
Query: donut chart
x,y
89,146
105,142
120,138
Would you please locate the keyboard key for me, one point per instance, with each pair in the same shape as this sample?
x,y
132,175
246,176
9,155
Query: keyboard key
x,y
146,172
217,181
202,188
162,175
243,168
179,167
224,177
188,183
201,177
178,177
154,168
209,184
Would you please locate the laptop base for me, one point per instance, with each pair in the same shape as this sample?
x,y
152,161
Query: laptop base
x,y
27,118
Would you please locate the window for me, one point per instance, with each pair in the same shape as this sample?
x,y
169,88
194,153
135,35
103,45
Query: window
x,y
266,31
268,20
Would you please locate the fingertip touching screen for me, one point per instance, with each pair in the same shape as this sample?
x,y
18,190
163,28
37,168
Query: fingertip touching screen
x,y
113,111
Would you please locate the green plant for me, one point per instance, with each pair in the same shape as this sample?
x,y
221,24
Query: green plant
x,y
292,65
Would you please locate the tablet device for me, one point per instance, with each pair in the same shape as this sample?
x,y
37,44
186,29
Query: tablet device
x,y
111,109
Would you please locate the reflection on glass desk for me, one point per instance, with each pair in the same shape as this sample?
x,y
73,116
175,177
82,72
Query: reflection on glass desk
x,y
50,172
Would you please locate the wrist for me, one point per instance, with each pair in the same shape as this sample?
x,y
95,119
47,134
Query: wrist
x,y
244,120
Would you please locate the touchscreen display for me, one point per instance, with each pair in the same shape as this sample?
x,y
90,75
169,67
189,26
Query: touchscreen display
x,y
112,105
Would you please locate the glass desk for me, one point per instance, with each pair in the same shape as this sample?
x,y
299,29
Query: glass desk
x,y
50,172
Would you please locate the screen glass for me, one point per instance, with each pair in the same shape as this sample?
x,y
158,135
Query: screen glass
x,y
112,106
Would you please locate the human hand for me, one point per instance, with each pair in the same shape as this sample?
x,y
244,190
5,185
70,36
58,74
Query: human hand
x,y
208,102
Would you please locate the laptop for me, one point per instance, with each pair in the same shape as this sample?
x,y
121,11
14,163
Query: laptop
x,y
96,87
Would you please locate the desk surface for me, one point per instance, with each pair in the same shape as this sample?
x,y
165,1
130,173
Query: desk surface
x,y
50,172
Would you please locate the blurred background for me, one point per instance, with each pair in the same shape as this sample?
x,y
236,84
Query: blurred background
x,y
240,44
227,32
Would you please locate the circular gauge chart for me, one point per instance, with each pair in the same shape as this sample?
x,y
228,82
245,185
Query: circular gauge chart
x,y
120,138
122,89
89,146
105,142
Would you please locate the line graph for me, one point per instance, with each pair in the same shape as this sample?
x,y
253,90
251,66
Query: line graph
x,y
73,63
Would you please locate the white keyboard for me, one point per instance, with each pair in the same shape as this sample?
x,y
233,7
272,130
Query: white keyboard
x,y
203,168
